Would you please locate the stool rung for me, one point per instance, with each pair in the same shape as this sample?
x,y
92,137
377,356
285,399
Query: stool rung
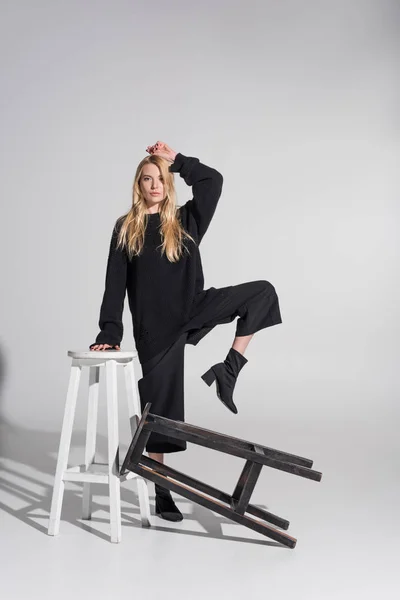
x,y
128,475
95,473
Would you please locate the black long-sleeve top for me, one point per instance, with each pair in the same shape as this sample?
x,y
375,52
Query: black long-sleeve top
x,y
160,293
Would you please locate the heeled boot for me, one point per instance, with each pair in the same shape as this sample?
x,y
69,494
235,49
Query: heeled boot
x,y
225,376
165,506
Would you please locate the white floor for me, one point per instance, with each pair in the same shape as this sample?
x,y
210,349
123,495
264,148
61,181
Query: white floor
x,y
347,527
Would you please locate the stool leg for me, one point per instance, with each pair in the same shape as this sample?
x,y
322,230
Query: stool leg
x,y
132,397
63,452
91,432
113,450
134,418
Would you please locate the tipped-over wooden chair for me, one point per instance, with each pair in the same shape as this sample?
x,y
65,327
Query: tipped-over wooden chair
x,y
237,506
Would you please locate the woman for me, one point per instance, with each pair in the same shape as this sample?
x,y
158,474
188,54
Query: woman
x,y
154,255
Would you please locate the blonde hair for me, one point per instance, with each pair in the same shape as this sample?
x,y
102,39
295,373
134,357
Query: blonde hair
x,y
132,226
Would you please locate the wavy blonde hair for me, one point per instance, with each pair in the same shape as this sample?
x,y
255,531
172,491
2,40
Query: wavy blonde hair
x,y
132,225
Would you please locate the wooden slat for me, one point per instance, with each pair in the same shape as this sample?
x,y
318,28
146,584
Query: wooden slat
x,y
245,485
228,440
195,438
212,491
215,506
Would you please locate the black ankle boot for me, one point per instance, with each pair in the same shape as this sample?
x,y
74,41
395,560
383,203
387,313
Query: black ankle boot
x,y
225,375
165,506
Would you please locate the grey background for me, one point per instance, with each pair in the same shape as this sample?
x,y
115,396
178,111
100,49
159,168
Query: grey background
x,y
296,103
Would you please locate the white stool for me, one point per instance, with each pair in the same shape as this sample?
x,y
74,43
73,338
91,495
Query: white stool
x,y
92,472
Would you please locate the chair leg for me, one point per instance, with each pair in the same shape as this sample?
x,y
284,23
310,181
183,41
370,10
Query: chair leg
x,y
144,503
132,397
64,447
245,486
91,431
113,451
134,417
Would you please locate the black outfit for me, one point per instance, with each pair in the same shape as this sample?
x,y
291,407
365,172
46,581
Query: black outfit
x,y
169,305
161,293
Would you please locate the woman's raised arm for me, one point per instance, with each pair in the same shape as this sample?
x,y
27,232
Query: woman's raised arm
x,y
206,185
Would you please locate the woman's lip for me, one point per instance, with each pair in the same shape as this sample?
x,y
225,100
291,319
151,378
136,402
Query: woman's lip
x,y
155,193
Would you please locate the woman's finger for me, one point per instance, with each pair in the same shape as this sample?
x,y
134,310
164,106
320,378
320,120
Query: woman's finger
x,y
102,347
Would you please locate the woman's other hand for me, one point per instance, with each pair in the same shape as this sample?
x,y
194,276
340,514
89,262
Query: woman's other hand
x,y
103,347
163,150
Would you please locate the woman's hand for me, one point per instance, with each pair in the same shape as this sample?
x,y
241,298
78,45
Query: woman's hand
x,y
163,150
103,347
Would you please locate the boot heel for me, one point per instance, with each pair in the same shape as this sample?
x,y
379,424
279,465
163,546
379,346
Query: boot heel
x,y
208,377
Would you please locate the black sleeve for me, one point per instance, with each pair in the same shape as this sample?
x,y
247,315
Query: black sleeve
x,y
110,321
206,185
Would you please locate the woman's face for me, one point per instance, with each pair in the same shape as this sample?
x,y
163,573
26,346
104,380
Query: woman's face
x,y
152,185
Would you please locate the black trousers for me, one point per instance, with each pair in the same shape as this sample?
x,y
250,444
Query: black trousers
x,y
256,305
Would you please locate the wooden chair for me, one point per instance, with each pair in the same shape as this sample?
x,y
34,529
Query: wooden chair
x,y
237,506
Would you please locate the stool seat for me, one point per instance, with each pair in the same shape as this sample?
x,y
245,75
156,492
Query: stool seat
x,y
92,471
106,354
